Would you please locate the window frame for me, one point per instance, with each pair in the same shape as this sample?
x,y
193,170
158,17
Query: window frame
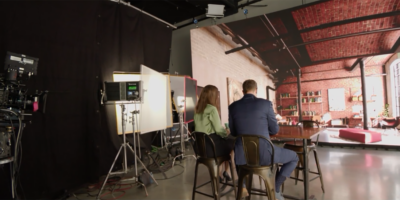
x,y
395,87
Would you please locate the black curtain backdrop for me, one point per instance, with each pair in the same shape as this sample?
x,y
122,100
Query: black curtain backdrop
x,y
79,44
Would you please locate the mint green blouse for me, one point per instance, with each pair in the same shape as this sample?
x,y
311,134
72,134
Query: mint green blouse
x,y
208,122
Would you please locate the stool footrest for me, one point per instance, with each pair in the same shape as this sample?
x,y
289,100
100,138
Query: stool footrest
x,y
203,184
298,179
205,194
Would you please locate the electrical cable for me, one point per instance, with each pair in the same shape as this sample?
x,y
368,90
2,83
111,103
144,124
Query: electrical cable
x,y
17,179
122,189
112,187
17,146
110,193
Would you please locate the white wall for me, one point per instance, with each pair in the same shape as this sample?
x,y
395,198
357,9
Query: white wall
x,y
180,60
212,66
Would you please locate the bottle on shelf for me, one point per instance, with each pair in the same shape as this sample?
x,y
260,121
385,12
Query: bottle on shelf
x,y
285,95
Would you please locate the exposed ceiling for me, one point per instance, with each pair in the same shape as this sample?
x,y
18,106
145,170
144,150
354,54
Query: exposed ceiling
x,y
339,31
175,11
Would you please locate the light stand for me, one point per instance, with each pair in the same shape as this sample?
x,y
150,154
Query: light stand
x,y
182,126
124,145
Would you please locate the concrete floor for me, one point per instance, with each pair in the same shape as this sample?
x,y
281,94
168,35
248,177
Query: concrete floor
x,y
348,174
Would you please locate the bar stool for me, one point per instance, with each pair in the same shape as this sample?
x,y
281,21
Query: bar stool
x,y
298,147
210,163
251,145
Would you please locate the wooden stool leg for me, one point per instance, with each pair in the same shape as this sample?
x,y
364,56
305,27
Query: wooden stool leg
x,y
214,180
233,176
296,171
240,187
269,188
195,180
249,185
319,171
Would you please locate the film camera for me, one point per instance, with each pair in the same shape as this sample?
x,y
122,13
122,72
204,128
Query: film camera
x,y
13,91
15,102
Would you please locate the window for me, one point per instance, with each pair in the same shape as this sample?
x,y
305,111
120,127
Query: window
x,y
396,88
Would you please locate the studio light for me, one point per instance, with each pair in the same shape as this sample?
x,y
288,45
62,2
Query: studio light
x,y
215,10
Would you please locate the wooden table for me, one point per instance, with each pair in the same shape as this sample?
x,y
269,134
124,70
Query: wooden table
x,y
298,132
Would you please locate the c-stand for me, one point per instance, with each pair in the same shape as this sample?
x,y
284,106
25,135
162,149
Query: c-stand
x,y
124,145
182,153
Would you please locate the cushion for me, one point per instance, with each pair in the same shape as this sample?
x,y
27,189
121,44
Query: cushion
x,y
360,135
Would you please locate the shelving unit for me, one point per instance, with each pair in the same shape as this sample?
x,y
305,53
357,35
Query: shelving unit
x,y
368,101
310,103
284,111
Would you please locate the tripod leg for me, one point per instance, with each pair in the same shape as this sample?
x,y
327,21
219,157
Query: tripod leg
x,y
138,136
109,172
173,161
144,167
159,167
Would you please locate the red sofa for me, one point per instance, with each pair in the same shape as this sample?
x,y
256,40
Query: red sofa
x,y
360,135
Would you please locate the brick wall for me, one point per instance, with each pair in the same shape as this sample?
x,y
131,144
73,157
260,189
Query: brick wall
x,y
375,85
210,64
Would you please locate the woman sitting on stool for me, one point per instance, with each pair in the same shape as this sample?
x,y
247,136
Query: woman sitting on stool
x,y
206,120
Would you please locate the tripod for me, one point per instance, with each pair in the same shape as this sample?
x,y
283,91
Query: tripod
x,y
124,146
182,126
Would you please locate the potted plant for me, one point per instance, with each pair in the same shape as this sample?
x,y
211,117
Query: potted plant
x,y
386,111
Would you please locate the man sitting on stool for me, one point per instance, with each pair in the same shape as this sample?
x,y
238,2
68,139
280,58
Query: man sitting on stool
x,y
252,115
